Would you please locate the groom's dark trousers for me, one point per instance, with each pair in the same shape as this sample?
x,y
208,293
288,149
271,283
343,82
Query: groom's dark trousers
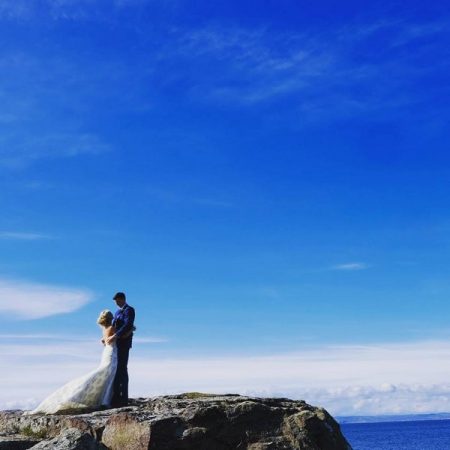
x,y
123,322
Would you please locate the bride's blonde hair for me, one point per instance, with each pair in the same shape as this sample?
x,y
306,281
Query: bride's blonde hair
x,y
105,318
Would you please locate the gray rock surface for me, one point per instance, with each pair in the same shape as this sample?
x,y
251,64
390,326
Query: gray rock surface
x,y
70,439
184,422
16,442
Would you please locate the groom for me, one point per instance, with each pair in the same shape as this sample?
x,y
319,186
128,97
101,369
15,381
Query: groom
x,y
124,324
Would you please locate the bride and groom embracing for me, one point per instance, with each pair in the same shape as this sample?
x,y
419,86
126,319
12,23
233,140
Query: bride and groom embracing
x,y
106,386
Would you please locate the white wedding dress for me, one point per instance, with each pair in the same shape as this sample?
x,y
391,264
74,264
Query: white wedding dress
x,y
89,391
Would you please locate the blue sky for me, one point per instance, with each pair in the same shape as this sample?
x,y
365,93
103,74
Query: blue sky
x,y
261,179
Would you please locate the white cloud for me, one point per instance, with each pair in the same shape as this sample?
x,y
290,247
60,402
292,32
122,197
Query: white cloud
x,y
22,236
351,266
27,300
347,380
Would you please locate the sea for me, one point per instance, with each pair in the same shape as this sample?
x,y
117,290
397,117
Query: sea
x,y
410,435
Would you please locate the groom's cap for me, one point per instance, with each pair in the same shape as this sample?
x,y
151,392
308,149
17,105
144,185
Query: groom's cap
x,y
119,295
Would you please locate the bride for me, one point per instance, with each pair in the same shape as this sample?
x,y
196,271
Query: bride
x,y
92,390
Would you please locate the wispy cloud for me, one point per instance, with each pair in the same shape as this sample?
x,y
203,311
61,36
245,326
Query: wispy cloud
x,y
212,202
28,300
59,10
331,72
149,340
367,379
351,266
322,75
170,196
20,150
64,337
56,9
22,236
12,9
36,94
251,65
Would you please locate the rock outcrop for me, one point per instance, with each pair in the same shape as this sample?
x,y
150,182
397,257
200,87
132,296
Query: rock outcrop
x,y
179,422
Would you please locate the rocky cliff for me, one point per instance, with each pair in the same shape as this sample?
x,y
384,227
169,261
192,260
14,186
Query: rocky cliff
x,y
179,422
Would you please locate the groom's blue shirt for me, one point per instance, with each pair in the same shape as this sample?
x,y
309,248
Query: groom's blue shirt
x,y
124,320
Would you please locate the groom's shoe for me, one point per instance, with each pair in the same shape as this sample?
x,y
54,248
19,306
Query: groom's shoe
x,y
120,404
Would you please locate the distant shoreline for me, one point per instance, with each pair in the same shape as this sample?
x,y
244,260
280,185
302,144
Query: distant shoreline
x,y
392,418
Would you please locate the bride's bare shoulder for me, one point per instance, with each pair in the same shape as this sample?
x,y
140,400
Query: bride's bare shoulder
x,y
109,331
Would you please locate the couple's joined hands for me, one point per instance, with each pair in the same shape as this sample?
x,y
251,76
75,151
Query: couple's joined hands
x,y
111,339
108,340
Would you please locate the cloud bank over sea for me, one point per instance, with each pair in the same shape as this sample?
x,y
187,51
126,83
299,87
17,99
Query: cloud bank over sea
x,y
346,380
